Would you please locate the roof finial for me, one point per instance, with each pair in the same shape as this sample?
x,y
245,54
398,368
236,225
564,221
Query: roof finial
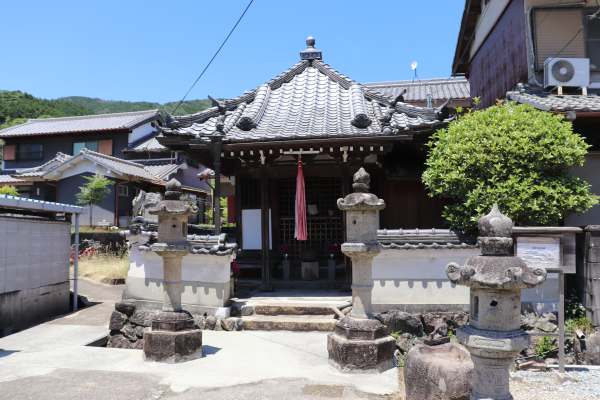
x,y
310,53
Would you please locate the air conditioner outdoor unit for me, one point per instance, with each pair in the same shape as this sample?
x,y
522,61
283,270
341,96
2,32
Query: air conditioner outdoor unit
x,y
567,72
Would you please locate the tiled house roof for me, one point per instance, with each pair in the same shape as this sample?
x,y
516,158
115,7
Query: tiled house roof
x,y
560,103
146,144
440,89
40,170
85,123
163,168
308,101
4,179
120,166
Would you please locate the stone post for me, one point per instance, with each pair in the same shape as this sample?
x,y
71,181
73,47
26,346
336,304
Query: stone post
x,y
172,337
360,342
493,335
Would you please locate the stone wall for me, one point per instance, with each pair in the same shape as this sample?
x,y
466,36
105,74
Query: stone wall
x,y
34,271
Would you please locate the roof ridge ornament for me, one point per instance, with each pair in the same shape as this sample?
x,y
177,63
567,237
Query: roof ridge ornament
x,y
310,53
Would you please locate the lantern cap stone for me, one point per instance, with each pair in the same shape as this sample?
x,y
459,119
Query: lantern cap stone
x,y
361,199
173,190
495,224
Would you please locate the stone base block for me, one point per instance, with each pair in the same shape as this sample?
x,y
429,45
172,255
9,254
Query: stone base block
x,y
310,270
172,347
440,372
361,356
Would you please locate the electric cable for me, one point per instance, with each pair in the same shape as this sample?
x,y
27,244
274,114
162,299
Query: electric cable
x,y
211,60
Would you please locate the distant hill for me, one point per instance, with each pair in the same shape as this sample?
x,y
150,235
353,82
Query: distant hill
x,y
100,106
16,107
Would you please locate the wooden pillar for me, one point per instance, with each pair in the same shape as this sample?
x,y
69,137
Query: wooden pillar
x,y
561,322
347,260
238,209
264,229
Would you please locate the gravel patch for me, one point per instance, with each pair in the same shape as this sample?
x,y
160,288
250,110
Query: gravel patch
x,y
579,385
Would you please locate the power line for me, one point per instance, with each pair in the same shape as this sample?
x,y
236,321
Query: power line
x,y
211,60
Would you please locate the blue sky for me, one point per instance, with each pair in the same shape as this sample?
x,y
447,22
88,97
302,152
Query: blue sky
x,y
154,50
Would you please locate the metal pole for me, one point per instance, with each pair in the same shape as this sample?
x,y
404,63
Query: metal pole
x,y
217,140
561,322
76,262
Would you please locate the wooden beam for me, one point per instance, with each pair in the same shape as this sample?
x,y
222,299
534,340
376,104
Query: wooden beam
x,y
264,225
347,260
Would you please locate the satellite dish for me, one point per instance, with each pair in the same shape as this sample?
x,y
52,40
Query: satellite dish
x,y
413,65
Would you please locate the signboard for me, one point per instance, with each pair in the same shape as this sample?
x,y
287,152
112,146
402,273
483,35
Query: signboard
x,y
539,251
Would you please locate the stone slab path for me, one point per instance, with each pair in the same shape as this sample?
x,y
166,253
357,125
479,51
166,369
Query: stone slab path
x,y
51,361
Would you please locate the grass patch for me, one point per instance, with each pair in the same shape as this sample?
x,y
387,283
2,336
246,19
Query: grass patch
x,y
107,265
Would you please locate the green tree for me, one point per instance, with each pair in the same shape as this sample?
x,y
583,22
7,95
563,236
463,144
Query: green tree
x,y
513,155
9,190
94,191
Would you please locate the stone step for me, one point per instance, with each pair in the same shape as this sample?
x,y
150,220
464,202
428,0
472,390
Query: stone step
x,y
288,308
289,323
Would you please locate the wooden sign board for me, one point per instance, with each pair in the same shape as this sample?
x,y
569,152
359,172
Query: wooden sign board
x,y
541,251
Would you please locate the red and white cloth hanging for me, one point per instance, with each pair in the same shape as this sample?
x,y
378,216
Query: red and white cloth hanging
x,y
300,228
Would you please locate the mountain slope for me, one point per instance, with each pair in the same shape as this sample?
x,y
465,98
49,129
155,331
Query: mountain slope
x,y
100,106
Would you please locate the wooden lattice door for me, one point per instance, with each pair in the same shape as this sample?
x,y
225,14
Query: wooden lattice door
x,y
323,192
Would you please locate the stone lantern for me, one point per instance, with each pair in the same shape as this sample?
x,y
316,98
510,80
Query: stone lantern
x,y
360,342
172,337
493,335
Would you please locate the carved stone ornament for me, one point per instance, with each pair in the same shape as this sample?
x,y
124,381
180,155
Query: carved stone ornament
x,y
172,205
361,121
361,199
246,124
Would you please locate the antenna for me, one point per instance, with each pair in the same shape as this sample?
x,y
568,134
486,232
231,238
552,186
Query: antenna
x,y
413,66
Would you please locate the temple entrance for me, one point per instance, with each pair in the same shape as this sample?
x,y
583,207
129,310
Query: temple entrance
x,y
323,219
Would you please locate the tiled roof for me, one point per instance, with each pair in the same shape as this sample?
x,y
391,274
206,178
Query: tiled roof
x,y
310,100
85,123
146,144
549,102
10,179
163,168
440,89
117,165
39,171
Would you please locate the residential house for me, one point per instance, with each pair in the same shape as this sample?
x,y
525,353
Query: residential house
x,y
48,158
517,49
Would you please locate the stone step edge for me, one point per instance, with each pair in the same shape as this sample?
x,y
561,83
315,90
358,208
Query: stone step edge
x,y
270,323
293,309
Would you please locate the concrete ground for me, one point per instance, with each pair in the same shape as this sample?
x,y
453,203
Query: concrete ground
x,y
52,361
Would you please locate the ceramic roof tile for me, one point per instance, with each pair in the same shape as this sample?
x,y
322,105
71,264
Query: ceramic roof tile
x,y
163,168
146,144
9,179
85,123
547,102
440,89
307,101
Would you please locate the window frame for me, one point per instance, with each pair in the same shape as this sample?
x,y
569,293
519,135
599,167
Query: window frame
x,y
586,23
126,190
23,155
85,146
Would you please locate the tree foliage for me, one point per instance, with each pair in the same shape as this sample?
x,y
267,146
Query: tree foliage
x,y
100,106
17,107
9,190
94,191
513,155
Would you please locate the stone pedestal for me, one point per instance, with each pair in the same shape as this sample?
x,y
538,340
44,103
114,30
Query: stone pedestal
x,y
310,270
172,339
361,346
493,336
360,343
331,269
286,270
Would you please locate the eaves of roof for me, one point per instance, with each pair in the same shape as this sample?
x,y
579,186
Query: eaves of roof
x,y
467,27
88,123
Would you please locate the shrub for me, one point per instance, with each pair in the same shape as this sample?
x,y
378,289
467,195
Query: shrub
x,y
513,155
9,190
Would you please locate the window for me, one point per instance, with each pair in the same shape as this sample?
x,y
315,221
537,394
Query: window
x,y
558,31
10,152
30,152
123,190
592,43
77,147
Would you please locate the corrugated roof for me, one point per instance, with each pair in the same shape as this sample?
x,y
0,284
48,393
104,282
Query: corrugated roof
x,y
40,205
440,89
310,100
87,123
146,144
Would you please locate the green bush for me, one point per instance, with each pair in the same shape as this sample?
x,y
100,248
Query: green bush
x,y
513,155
